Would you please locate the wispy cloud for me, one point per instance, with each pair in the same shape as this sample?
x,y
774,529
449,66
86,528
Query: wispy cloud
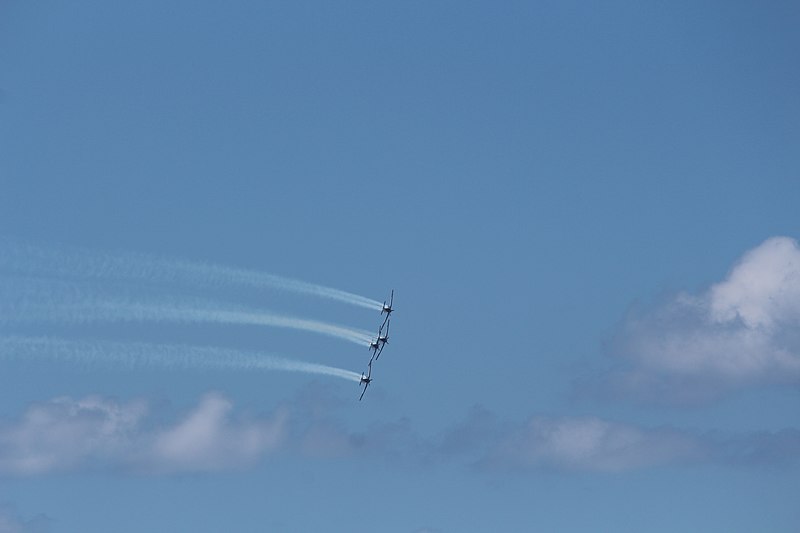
x,y
742,331
592,444
12,522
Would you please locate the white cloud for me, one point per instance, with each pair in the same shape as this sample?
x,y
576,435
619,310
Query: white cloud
x,y
763,289
593,444
65,434
742,331
208,440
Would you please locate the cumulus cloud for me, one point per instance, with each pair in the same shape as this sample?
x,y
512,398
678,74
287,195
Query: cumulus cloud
x,y
763,290
94,432
742,331
62,433
207,439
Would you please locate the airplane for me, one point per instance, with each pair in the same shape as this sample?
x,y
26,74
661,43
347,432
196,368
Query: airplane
x,y
377,344
366,380
387,308
382,340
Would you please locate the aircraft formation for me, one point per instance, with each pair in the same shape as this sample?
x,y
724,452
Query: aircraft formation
x,y
377,345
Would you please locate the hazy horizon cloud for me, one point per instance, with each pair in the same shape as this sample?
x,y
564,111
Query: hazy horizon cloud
x,y
96,433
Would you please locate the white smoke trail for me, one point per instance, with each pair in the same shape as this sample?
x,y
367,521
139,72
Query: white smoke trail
x,y
141,355
86,264
106,310
25,300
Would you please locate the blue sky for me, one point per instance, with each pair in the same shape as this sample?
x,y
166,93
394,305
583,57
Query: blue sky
x,y
588,214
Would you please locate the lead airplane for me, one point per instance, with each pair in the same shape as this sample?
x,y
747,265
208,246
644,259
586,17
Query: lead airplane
x,y
387,308
366,380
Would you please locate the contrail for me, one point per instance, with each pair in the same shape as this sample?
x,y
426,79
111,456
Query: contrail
x,y
120,311
33,300
87,264
141,355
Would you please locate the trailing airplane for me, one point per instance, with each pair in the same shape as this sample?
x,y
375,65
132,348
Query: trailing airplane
x,y
366,380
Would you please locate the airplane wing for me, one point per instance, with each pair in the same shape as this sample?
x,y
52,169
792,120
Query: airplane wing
x,y
380,350
363,391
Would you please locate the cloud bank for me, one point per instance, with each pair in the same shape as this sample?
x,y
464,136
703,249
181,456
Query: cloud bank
x,y
96,433
742,331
